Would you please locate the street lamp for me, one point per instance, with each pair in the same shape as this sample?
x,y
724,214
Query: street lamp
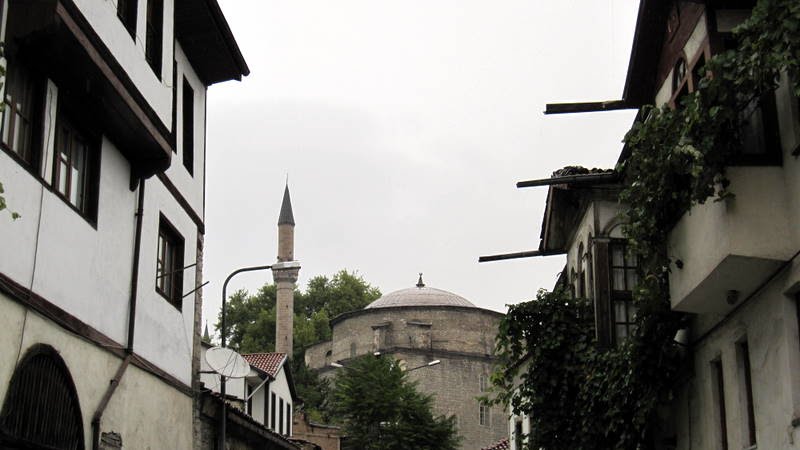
x,y
430,364
223,332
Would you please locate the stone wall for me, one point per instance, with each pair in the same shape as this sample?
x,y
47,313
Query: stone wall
x,y
461,338
326,437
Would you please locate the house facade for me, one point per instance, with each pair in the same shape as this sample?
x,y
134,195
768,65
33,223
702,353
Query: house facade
x,y
264,399
735,267
103,158
734,262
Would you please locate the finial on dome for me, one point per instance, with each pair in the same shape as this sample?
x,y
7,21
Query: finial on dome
x,y
420,284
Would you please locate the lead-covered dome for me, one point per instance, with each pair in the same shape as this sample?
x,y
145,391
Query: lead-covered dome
x,y
420,296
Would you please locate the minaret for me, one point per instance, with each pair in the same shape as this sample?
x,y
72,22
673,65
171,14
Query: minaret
x,y
285,272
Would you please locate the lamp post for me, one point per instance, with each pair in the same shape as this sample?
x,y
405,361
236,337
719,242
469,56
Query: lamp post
x,y
430,364
223,332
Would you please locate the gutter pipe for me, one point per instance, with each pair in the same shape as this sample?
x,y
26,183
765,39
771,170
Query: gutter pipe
x,y
112,386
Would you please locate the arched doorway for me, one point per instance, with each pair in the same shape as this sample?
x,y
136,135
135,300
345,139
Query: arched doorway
x,y
41,409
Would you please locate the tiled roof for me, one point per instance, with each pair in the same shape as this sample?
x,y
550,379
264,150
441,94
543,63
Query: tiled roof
x,y
266,362
502,444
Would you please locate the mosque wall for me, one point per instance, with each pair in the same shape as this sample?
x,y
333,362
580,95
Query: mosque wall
x,y
462,338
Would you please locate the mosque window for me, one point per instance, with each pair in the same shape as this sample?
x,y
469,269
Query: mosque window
x,y
483,381
484,415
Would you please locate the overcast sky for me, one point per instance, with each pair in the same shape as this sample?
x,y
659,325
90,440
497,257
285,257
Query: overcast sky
x,y
403,127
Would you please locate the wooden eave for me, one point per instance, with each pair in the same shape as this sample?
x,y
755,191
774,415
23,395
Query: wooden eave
x,y
648,40
207,41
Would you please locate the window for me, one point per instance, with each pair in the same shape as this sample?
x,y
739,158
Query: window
x,y
188,127
266,409
21,128
154,34
280,416
352,350
272,412
288,419
249,395
483,382
169,263
74,171
518,434
483,415
126,11
581,286
719,399
759,134
797,310
624,278
747,392
686,78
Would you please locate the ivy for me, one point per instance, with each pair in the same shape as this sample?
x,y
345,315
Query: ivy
x,y
576,394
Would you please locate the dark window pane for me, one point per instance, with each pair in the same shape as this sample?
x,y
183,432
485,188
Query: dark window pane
x,y
188,127
618,280
154,34
617,256
126,11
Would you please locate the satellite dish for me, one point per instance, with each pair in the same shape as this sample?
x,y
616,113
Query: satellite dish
x,y
227,362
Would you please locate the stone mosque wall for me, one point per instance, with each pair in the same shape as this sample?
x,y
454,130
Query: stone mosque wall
x,y
461,337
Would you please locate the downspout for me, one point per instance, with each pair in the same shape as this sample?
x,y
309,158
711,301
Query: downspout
x,y
112,386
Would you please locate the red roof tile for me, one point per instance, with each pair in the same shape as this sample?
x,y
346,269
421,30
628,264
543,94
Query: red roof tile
x,y
502,444
266,362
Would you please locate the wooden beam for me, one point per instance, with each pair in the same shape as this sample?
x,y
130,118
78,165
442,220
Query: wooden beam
x,y
566,108
517,255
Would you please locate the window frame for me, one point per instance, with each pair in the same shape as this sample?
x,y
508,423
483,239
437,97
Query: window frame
x,y
33,161
484,415
749,417
167,232
128,15
75,122
272,405
288,418
187,126
154,36
280,415
625,297
718,389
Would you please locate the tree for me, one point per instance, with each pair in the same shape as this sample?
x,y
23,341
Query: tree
x,y
380,409
250,319
250,323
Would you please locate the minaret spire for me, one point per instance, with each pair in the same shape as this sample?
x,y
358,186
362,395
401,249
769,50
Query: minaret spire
x,y
286,216
285,273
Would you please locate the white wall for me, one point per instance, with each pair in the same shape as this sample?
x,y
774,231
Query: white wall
x,y
102,16
130,411
191,186
280,386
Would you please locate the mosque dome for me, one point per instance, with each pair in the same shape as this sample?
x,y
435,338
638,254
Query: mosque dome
x,y
420,295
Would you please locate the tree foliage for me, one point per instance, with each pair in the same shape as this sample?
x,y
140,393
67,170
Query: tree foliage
x,y
250,323
580,396
380,409
250,319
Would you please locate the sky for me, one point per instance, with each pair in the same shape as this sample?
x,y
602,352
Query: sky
x,y
403,127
